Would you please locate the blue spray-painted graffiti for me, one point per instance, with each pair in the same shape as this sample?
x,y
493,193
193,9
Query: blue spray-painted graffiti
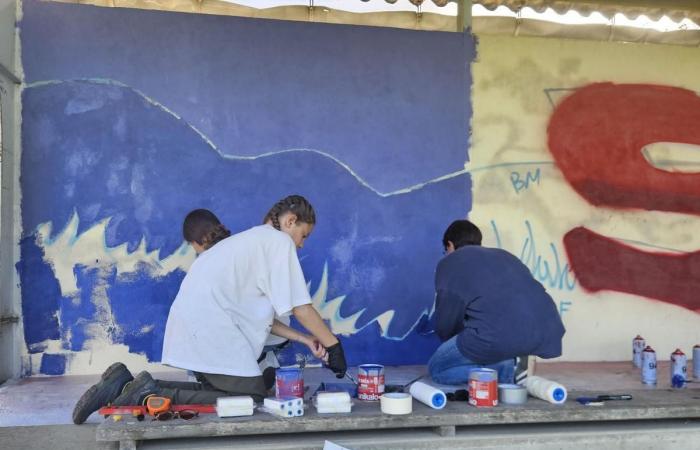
x,y
564,306
552,273
521,182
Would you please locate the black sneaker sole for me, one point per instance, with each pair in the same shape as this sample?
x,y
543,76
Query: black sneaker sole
x,y
89,395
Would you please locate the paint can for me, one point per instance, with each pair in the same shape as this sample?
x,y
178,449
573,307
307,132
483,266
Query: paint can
x,y
483,388
370,382
289,382
649,366
696,362
638,345
679,364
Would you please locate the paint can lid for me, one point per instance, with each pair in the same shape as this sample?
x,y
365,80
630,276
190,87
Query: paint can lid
x,y
483,374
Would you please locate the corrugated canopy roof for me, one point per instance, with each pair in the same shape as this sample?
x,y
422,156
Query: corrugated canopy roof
x,y
654,9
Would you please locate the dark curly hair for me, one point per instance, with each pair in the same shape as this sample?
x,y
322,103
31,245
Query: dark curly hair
x,y
461,233
203,227
295,204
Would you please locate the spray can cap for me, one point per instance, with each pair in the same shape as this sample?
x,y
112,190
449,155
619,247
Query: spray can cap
x,y
639,338
678,352
649,349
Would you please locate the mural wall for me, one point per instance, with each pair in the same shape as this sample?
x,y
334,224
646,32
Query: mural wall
x,y
586,164
133,118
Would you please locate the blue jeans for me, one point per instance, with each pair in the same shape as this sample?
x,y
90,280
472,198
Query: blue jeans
x,y
449,366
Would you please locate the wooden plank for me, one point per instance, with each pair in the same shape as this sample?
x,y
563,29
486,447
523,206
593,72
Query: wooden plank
x,y
646,405
127,444
446,431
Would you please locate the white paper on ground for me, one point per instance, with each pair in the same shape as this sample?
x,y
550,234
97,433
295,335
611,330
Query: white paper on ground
x,y
328,445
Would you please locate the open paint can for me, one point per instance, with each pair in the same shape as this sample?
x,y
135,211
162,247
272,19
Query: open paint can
x,y
483,388
370,382
289,382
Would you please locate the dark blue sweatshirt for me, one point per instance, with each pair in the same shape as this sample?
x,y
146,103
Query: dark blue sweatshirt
x,y
489,299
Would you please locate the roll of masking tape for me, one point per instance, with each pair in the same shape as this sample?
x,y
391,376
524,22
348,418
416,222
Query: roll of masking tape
x,y
396,403
512,394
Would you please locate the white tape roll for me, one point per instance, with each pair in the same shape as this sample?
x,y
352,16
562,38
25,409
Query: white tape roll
x,y
396,403
512,394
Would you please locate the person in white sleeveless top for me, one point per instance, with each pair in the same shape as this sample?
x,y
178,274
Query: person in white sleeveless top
x,y
224,312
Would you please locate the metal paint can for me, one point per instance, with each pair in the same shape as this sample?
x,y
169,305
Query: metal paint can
x,y
483,388
696,362
370,382
638,345
649,366
289,382
679,364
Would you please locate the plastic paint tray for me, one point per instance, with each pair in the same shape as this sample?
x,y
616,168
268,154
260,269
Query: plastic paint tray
x,y
339,387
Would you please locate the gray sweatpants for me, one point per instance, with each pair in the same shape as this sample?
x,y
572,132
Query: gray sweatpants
x,y
210,387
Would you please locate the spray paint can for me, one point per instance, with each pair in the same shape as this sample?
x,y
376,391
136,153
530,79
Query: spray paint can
x,y
649,366
696,362
638,345
679,364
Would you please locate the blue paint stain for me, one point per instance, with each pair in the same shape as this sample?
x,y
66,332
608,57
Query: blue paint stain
x,y
52,364
41,296
78,314
140,305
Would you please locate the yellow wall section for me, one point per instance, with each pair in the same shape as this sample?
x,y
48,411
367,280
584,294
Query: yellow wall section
x,y
523,203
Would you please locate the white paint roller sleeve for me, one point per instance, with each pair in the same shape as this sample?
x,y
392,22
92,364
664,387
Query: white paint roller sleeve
x,y
333,402
428,395
234,406
547,390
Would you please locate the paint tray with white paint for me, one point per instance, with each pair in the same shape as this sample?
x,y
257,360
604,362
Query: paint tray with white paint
x,y
332,402
284,407
235,406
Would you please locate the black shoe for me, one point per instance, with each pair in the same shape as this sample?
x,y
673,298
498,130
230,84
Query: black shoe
x,y
135,392
103,393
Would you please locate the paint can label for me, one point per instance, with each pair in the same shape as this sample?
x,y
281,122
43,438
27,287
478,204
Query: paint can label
x,y
370,382
696,362
649,366
679,364
289,382
638,345
483,388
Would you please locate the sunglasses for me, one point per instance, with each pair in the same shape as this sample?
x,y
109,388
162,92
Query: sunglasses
x,y
185,414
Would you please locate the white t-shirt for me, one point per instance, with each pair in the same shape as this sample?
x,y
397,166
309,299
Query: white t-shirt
x,y
223,313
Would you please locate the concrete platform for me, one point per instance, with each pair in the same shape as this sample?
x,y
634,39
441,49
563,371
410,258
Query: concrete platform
x,y
667,417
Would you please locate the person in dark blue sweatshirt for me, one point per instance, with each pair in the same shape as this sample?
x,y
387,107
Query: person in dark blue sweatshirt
x,y
488,310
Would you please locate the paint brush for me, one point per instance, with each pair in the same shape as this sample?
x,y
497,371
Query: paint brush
x,y
349,377
599,399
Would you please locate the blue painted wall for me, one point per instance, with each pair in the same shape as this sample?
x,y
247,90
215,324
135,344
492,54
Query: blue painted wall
x,y
137,117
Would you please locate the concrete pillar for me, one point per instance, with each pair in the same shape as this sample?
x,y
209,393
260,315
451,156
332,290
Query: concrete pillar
x,y
11,341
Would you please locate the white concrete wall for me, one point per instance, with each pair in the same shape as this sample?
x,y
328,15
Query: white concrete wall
x,y
523,203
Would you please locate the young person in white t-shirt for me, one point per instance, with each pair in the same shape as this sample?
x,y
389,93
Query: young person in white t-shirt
x,y
223,314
